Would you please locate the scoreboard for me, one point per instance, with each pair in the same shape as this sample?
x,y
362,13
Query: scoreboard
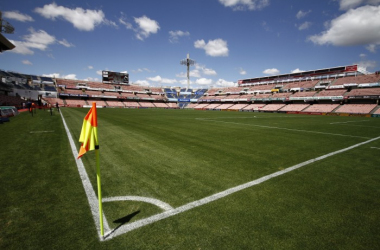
x,y
115,77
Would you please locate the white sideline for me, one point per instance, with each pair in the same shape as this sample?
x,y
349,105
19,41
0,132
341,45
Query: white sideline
x,y
143,222
90,193
289,129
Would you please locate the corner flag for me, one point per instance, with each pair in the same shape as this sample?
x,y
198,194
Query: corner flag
x,y
89,139
89,134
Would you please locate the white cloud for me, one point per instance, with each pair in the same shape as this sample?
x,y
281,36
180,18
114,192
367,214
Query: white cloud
x,y
146,26
367,64
175,35
224,83
203,81
90,67
362,55
217,47
304,26
204,70
273,71
21,48
16,15
99,72
159,79
355,27
349,4
245,4
302,14
81,19
297,70
53,75
65,43
242,71
142,82
371,48
27,62
36,40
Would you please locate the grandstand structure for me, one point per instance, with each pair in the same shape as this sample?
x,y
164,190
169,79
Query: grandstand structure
x,y
339,90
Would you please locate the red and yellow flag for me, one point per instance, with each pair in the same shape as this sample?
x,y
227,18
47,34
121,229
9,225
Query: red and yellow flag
x,y
89,134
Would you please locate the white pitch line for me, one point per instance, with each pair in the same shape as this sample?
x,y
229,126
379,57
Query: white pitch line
x,y
143,222
90,193
158,203
37,132
346,122
290,129
375,147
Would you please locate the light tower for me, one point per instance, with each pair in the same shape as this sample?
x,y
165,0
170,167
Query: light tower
x,y
188,62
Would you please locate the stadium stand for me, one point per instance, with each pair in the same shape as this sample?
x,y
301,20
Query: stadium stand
x,y
75,103
254,107
294,107
225,106
272,107
321,108
237,106
356,108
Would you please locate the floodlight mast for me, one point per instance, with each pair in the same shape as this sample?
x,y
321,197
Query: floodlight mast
x,y
188,62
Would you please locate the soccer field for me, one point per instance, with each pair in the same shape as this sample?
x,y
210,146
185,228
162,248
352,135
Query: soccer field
x,y
188,179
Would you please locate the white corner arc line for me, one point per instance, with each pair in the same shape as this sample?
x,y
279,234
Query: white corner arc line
x,y
90,193
158,203
143,222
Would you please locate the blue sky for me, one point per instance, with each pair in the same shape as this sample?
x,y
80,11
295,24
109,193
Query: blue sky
x,y
229,39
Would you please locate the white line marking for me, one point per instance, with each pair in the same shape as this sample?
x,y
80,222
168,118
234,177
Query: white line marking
x,y
90,193
143,222
158,203
375,147
37,132
346,122
290,129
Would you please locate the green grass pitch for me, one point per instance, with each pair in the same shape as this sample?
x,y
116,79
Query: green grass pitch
x,y
181,156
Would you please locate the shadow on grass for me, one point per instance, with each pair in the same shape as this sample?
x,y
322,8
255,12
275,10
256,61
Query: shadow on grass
x,y
126,219
122,221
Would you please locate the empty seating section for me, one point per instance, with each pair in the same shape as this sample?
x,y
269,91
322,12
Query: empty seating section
x,y
74,91
363,92
272,107
115,104
280,95
304,94
338,92
356,108
53,101
172,105
225,106
321,108
201,106
301,85
213,106
132,104
372,78
237,106
75,103
160,105
254,107
377,111
294,107
147,105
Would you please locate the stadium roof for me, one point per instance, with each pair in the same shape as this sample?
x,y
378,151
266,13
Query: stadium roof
x,y
5,44
303,74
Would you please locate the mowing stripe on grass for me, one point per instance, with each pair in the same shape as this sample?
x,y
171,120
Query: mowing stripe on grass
x,y
90,193
158,203
143,222
289,129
